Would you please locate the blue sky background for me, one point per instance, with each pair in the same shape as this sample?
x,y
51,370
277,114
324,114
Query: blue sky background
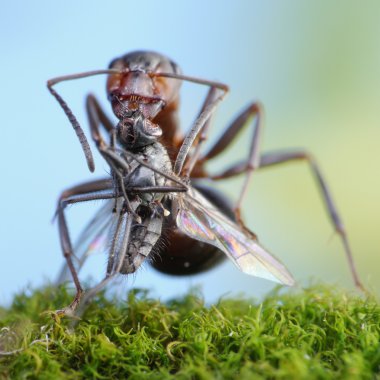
x,y
314,65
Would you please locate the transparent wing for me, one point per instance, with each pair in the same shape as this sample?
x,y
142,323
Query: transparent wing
x,y
200,220
94,238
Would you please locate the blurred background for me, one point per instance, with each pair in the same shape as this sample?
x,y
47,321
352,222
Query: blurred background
x,y
316,68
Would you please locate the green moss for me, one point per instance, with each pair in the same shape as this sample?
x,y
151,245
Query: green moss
x,y
317,333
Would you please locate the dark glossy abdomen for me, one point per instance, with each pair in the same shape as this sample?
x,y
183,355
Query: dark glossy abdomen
x,y
177,254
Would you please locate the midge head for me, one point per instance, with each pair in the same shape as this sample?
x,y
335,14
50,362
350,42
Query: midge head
x,y
136,131
138,84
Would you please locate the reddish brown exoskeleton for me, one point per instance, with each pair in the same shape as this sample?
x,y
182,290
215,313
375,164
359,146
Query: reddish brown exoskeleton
x,y
146,84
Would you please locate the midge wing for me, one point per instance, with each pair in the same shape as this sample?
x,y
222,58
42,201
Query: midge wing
x,y
93,239
200,220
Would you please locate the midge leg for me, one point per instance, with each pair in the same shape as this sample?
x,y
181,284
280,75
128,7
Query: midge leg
x,y
280,157
97,118
97,190
113,268
93,232
114,157
77,195
87,187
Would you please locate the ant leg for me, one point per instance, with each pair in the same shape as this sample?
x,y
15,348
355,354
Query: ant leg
x,y
172,135
203,135
199,124
252,163
275,158
97,117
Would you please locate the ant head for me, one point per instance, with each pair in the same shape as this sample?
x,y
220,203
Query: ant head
x,y
136,83
136,131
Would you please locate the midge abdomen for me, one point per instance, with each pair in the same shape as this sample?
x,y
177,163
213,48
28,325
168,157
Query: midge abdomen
x,y
144,237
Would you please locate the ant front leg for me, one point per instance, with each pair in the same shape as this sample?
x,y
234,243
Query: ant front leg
x,y
97,117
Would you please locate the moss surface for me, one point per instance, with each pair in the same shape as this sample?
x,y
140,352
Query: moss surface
x,y
318,333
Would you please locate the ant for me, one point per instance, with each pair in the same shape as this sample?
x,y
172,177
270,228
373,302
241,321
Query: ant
x,y
147,84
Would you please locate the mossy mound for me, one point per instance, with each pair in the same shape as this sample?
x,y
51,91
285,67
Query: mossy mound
x,y
316,333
